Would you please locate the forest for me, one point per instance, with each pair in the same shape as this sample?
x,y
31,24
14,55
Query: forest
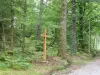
x,y
42,37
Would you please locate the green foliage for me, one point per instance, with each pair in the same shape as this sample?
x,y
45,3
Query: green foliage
x,y
19,65
51,21
9,52
94,52
14,62
39,46
14,65
4,65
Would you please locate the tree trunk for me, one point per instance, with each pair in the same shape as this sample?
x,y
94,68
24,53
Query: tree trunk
x,y
73,26
39,26
0,35
12,26
63,23
24,26
89,37
3,38
81,22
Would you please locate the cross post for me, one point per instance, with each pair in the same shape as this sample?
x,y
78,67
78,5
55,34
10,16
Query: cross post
x,y
45,37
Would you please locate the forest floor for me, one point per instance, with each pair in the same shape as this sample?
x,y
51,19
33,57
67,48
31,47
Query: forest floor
x,y
57,66
38,67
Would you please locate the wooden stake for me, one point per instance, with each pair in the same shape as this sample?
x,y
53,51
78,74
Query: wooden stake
x,y
45,37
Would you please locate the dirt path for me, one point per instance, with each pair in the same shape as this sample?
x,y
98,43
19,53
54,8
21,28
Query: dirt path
x,y
92,68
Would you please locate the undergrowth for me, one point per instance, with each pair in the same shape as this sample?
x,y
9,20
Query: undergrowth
x,y
15,61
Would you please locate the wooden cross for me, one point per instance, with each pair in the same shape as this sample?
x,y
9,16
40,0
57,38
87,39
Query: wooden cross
x,y
45,37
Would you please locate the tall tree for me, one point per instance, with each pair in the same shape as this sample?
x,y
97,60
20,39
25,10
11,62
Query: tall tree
x,y
39,26
62,34
73,26
3,37
82,9
0,35
24,25
12,25
89,38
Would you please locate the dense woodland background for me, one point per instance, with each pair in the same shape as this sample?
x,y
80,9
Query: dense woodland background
x,y
72,28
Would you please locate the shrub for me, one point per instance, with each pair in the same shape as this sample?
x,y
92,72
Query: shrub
x,y
14,62
4,65
19,65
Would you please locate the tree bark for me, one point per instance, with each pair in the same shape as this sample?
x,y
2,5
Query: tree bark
x,y
3,38
39,26
63,23
1,30
24,26
89,37
73,26
12,26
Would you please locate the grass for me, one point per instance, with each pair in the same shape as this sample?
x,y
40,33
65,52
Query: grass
x,y
81,62
82,59
41,68
30,71
37,68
